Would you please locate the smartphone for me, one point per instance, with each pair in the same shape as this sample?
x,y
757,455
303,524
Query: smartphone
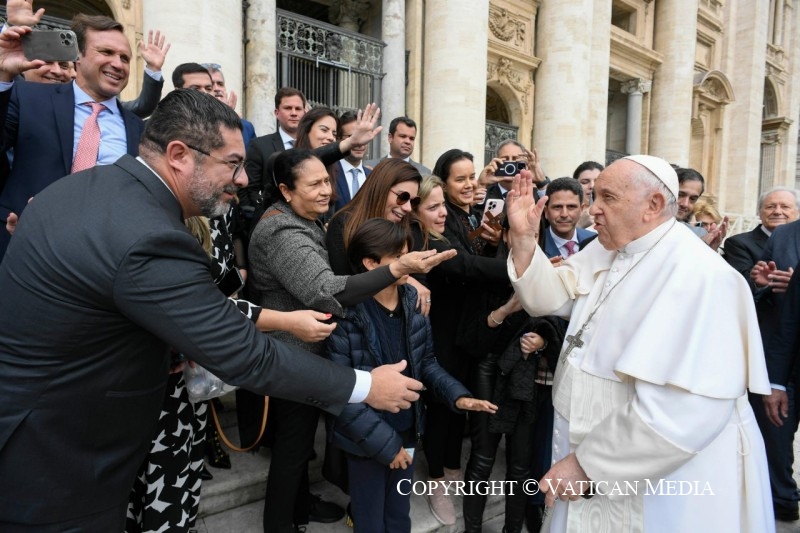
x,y
50,45
493,206
232,282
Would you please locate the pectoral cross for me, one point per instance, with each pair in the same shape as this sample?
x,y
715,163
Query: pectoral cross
x,y
572,342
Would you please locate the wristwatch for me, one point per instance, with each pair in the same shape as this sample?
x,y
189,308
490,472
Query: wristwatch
x,y
543,184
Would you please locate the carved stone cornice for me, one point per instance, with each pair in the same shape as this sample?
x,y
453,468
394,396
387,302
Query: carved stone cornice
x,y
505,73
631,58
507,27
636,85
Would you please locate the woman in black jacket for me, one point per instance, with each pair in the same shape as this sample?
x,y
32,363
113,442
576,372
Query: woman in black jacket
x,y
473,269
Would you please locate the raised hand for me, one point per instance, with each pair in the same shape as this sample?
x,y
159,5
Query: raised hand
x,y
391,390
12,58
231,99
154,51
365,129
20,13
716,234
524,216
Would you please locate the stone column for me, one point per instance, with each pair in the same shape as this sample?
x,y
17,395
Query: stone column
x,y
568,107
454,106
745,66
671,102
262,65
205,33
635,90
393,85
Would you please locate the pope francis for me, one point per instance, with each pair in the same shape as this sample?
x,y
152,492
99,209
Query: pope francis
x,y
653,431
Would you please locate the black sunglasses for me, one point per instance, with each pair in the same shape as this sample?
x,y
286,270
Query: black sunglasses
x,y
405,196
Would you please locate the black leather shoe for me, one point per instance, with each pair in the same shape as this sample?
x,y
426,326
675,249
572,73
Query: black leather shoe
x,y
786,514
324,512
534,514
205,475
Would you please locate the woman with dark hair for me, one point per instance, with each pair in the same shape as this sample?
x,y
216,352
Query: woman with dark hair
x,y
385,329
389,193
474,269
289,270
317,128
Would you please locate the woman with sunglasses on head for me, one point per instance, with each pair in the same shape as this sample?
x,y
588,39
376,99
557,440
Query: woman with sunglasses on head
x,y
289,270
390,192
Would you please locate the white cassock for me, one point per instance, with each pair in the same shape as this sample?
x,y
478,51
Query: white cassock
x,y
657,391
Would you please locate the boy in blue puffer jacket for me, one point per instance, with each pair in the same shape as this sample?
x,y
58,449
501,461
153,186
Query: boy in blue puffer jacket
x,y
387,328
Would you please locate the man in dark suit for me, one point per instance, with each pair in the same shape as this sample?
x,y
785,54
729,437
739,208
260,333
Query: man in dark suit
x,y
111,279
43,123
402,137
562,212
350,172
776,207
290,106
770,279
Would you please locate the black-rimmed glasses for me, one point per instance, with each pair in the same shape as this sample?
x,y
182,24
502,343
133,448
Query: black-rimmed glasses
x,y
405,196
237,167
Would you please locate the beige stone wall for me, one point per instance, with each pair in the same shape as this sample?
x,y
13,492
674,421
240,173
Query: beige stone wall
x,y
512,63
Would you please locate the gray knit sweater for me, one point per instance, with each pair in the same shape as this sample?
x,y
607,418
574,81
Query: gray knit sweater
x,y
289,268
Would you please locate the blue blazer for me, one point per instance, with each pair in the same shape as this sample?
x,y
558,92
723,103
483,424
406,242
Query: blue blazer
x,y
550,248
38,123
342,190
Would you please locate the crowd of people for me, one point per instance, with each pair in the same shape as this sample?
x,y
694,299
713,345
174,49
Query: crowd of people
x,y
412,308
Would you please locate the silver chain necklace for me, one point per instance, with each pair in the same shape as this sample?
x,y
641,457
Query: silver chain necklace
x,y
575,341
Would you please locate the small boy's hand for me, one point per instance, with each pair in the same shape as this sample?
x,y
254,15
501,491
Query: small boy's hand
x,y
401,460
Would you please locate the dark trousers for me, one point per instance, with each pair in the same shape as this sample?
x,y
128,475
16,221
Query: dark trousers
x,y
444,433
376,503
484,452
108,520
779,444
542,445
286,500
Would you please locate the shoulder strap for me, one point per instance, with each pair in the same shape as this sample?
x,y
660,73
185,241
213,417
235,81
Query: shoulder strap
x,y
271,213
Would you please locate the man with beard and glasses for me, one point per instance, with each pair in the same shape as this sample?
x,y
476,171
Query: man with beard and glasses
x,y
111,279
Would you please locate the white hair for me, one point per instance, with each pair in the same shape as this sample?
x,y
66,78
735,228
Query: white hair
x,y
794,192
643,178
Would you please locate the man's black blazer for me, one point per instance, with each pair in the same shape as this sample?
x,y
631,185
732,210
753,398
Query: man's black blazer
x,y
742,251
39,124
257,154
100,280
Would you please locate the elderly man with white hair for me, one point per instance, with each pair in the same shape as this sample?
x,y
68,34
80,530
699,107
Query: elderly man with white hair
x,y
653,430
